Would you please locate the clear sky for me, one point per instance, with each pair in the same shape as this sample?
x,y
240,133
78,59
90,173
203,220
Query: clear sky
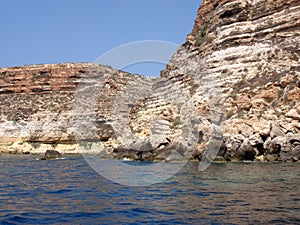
x,y
58,31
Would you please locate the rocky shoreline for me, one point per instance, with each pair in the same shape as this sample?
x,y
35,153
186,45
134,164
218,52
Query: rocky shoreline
x,y
278,149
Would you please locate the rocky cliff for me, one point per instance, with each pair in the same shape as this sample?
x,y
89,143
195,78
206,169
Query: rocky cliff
x,y
248,53
233,87
38,106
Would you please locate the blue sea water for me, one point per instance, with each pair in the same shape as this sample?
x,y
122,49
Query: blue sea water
x,y
70,192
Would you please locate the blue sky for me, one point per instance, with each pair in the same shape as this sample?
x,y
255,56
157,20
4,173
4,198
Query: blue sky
x,y
58,31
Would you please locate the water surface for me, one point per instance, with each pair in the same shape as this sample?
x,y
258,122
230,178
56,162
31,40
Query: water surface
x,y
70,192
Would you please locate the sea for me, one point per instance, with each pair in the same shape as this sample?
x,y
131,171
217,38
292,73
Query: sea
x,y
70,191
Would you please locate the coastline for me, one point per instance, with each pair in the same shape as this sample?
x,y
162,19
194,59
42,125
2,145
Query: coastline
x,y
75,149
233,86
64,156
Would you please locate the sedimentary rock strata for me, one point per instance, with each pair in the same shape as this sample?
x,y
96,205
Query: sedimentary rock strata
x,y
234,86
38,102
249,51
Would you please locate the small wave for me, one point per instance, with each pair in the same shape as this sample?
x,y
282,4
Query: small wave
x,y
14,219
62,191
125,159
43,158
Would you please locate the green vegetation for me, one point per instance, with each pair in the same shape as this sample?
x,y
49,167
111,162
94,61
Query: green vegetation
x,y
54,145
275,103
230,113
200,37
86,144
194,86
241,114
34,144
176,122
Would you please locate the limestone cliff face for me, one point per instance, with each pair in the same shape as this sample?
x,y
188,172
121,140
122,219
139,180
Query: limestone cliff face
x,y
37,105
234,86
248,52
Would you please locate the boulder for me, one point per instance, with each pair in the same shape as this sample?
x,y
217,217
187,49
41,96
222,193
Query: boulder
x,y
234,142
51,154
219,159
255,139
173,152
293,114
121,153
245,152
260,158
273,146
290,152
295,139
276,131
272,157
290,155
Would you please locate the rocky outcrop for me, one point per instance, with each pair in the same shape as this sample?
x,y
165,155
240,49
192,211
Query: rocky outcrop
x,y
247,52
231,90
38,102
51,154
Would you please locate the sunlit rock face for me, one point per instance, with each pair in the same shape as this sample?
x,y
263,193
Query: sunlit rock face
x,y
39,106
233,85
248,54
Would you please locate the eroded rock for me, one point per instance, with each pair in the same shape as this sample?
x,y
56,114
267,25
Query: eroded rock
x,y
51,154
